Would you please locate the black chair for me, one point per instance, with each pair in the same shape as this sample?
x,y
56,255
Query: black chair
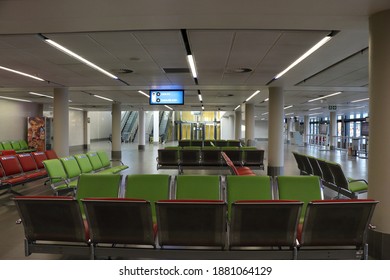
x,y
315,166
253,158
52,224
266,225
336,229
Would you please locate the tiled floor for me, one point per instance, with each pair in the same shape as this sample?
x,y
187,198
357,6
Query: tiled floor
x,y
11,234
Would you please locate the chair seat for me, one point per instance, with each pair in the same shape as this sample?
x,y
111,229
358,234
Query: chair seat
x,y
357,186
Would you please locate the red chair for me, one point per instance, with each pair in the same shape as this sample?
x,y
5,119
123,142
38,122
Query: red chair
x,y
8,152
51,154
30,168
39,157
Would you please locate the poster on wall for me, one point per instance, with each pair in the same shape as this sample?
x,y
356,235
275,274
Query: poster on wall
x,y
36,133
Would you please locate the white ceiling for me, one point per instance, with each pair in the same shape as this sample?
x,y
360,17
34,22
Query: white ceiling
x,y
224,36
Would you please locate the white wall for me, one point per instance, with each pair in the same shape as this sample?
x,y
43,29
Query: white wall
x,y
76,128
101,124
13,119
261,129
227,128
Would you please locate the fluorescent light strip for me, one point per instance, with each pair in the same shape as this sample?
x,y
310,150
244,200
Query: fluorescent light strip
x,y
360,100
265,100
15,99
289,114
74,108
313,114
266,113
317,108
253,95
191,62
203,108
21,73
238,106
80,58
329,95
305,55
200,97
40,94
168,107
104,98
288,107
143,93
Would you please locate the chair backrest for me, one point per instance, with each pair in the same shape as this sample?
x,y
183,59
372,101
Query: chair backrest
x,y
168,156
198,187
27,162
8,152
7,145
119,221
247,188
151,187
337,222
340,179
191,223
306,164
71,167
95,161
55,170
39,157
16,145
51,154
220,143
104,158
233,143
253,157
98,185
10,165
257,223
315,166
234,153
23,144
299,161
211,156
51,218
327,175
302,188
1,147
84,163
190,155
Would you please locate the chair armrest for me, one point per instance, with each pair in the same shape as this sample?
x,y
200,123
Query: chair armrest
x,y
358,180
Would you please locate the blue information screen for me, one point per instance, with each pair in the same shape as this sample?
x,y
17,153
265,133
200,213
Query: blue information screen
x,y
166,97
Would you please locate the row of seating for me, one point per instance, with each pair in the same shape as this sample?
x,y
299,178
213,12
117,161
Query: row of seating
x,y
332,175
155,222
196,157
18,169
210,143
64,172
20,146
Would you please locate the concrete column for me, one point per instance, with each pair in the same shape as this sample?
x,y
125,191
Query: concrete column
x,y
275,132
333,130
141,130
237,124
249,124
379,155
87,130
231,127
116,152
156,127
61,122
306,132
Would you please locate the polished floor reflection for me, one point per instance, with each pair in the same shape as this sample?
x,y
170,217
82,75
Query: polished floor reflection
x,y
11,234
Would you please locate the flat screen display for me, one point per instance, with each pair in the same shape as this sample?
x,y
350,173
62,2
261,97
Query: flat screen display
x,y
364,129
166,97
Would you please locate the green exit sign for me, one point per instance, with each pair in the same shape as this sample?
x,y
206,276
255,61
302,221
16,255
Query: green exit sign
x,y
332,107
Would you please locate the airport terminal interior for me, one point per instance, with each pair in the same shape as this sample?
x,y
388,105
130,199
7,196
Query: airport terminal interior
x,y
285,101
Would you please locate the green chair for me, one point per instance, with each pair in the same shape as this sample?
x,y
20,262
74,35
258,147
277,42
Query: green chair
x,y
347,186
97,164
151,187
247,188
198,187
7,145
301,188
1,147
16,145
84,163
24,147
58,178
106,162
97,186
71,167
